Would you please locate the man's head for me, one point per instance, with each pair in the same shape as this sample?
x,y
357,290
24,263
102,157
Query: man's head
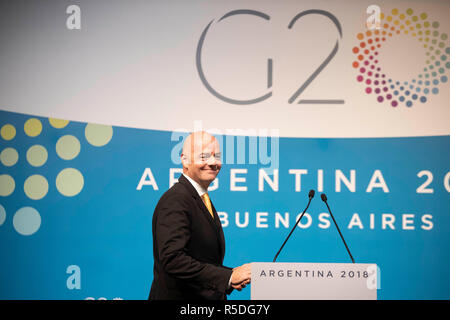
x,y
201,157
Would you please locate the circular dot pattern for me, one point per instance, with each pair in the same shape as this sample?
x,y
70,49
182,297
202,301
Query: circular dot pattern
x,y
377,81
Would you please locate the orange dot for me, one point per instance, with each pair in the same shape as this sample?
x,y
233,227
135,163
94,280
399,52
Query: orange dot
x,y
378,45
355,64
368,33
361,57
362,44
355,50
386,26
392,28
390,34
376,32
360,36
366,51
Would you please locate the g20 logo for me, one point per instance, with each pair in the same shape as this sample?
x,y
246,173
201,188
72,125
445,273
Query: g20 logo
x,y
295,95
375,80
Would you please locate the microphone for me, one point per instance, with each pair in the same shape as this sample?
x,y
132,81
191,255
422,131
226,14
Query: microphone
x,y
310,196
324,199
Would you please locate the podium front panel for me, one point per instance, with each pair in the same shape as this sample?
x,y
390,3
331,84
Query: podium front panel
x,y
310,281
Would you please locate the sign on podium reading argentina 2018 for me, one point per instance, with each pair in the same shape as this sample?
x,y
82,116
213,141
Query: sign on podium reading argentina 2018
x,y
171,150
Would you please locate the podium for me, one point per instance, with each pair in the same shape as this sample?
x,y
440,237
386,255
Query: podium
x,y
313,281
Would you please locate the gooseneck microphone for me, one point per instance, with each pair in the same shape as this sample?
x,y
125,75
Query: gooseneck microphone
x,y
310,195
324,199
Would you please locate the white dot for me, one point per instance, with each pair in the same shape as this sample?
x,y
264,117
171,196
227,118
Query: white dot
x,y
27,221
2,214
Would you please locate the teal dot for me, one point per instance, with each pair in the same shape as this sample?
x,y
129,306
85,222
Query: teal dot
x,y
437,63
444,79
447,65
441,70
409,103
443,57
418,89
435,90
426,90
434,73
401,98
435,82
447,50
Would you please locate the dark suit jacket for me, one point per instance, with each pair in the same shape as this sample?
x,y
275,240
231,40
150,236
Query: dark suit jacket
x,y
188,247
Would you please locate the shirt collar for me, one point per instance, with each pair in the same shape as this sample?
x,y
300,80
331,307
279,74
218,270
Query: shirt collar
x,y
200,190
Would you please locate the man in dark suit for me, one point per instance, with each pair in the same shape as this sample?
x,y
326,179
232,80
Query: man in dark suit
x,y
188,240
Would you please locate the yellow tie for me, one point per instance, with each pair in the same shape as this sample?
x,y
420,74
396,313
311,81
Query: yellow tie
x,y
207,202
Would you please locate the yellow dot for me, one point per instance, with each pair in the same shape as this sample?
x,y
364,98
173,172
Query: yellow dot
x,y
37,155
35,187
382,16
33,127
97,134
394,12
7,185
9,157
423,16
8,132
58,123
401,16
68,147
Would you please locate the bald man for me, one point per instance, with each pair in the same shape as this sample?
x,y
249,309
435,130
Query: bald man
x,y
188,240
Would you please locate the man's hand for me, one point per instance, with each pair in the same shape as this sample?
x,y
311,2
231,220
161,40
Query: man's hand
x,y
241,276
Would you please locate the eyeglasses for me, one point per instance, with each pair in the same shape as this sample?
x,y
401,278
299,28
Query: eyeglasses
x,y
207,155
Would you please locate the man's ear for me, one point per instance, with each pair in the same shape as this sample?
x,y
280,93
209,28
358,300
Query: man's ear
x,y
184,160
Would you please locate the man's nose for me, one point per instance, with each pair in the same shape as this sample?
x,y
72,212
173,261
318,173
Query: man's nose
x,y
212,161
